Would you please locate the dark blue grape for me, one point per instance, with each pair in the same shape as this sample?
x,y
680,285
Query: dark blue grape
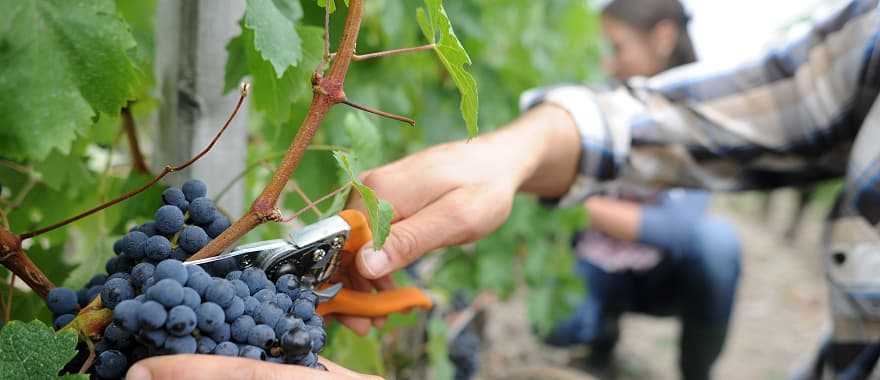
x,y
169,220
283,301
149,283
319,337
155,338
296,343
168,292
288,323
102,346
181,321
191,298
174,197
241,289
157,248
82,297
126,315
268,313
180,255
222,333
310,360
98,279
62,301
220,292
94,291
181,344
315,321
234,275
210,316
303,309
116,291
288,284
261,336
111,364
193,189
152,315
131,244
148,228
226,349
118,246
265,295
308,294
234,310
192,239
117,336
206,345
254,278
122,275
141,273
111,265
251,305
62,321
191,269
275,359
171,269
138,353
202,210
140,298
241,327
252,352
220,224
199,282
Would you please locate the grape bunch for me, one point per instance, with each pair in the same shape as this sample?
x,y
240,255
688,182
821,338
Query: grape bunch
x,y
161,306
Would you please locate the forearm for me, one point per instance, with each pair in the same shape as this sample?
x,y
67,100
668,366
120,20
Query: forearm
x,y
545,145
614,217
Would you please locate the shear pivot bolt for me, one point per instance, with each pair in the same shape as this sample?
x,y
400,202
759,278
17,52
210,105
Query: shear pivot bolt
x,y
318,255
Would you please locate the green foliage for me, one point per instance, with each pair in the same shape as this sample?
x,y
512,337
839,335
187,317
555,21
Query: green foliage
x,y
359,353
275,36
34,351
332,3
453,56
380,212
59,75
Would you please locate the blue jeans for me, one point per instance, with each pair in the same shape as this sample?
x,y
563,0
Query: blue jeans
x,y
695,281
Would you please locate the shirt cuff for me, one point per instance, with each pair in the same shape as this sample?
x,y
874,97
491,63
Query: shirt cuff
x,y
601,154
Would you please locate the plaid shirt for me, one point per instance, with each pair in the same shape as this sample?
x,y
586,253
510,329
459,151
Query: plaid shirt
x,y
805,111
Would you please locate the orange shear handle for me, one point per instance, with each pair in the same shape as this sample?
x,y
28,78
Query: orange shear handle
x,y
367,304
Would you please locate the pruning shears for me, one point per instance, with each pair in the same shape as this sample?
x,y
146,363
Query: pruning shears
x,y
313,254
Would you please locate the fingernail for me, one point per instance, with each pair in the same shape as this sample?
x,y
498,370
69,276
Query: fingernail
x,y
138,372
375,263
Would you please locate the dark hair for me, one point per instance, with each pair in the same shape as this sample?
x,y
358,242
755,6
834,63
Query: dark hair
x,y
646,14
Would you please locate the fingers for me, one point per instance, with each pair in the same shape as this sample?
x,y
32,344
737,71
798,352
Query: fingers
x,y
199,367
460,216
359,325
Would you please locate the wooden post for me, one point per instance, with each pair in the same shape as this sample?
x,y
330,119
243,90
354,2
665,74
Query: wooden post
x,y
191,38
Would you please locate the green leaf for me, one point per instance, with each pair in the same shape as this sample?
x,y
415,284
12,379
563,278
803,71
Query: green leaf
x,y
358,353
323,3
273,95
380,212
63,63
275,36
33,351
453,56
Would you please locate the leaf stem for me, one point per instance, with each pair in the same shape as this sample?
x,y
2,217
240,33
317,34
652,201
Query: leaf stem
x,y
389,115
305,198
167,170
318,201
388,53
7,313
137,157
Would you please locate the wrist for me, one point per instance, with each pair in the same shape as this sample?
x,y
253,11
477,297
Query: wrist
x,y
554,159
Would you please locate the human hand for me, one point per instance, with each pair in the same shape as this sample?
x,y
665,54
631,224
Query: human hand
x,y
197,367
459,192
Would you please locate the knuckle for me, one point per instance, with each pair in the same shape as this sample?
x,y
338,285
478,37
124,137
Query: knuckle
x,y
403,243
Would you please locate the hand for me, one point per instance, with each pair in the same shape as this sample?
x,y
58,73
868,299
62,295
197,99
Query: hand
x,y
459,192
197,367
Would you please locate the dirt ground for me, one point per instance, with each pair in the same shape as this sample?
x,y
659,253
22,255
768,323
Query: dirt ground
x,y
778,319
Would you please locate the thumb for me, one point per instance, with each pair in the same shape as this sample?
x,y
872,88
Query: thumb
x,y
198,367
443,223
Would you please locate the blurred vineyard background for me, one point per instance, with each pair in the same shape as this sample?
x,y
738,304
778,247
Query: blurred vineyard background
x,y
522,272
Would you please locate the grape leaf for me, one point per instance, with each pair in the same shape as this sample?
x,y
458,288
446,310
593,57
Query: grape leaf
x,y
275,37
453,56
63,63
360,353
380,211
273,95
33,351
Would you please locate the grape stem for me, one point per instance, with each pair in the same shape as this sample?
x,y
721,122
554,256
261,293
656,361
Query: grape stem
x,y
327,92
137,157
